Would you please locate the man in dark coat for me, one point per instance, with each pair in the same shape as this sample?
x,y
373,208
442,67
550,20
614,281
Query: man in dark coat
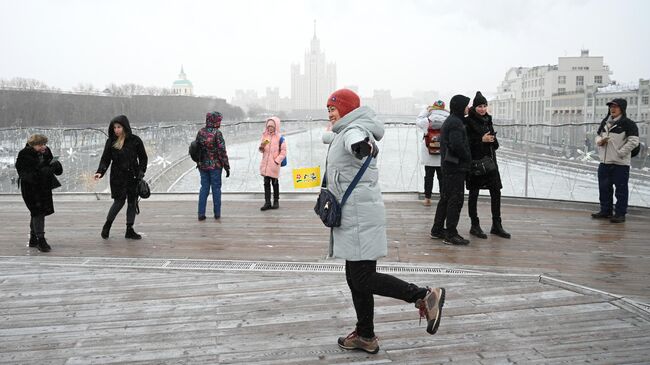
x,y
124,152
455,156
36,169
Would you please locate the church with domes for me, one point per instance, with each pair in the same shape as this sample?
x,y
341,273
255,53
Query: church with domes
x,y
182,86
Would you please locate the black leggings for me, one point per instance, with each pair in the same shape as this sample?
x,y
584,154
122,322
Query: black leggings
x,y
117,206
268,182
364,281
37,226
495,199
429,172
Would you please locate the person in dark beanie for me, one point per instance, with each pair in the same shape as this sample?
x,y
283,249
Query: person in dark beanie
x,y
616,137
361,238
124,152
456,157
214,159
483,142
36,171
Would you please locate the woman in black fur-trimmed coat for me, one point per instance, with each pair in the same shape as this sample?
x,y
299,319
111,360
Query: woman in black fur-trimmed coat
x,y
36,169
483,142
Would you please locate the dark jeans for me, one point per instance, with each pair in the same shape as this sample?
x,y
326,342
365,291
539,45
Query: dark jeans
x,y
37,226
364,281
117,206
452,195
268,181
610,176
495,200
210,179
429,172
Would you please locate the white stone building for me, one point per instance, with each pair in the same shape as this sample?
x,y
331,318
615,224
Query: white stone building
x,y
182,86
550,94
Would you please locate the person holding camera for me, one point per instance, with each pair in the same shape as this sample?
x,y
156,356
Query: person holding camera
x,y
36,171
124,152
482,144
273,148
616,140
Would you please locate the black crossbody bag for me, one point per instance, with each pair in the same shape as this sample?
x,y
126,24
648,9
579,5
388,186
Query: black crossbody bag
x,y
327,207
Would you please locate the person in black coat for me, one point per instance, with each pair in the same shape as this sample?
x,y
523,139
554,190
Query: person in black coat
x,y
125,151
455,157
483,142
36,170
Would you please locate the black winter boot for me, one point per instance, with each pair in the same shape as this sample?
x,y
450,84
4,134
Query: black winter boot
x,y
275,205
476,229
497,228
33,241
267,196
131,234
106,229
42,245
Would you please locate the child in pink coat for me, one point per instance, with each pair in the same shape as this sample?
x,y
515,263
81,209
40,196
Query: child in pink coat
x,y
274,150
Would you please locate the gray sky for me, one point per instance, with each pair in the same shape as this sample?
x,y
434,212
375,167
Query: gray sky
x,y
402,45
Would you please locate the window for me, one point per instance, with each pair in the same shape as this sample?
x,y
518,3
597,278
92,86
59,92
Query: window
x,y
580,80
598,79
561,79
590,100
644,97
561,90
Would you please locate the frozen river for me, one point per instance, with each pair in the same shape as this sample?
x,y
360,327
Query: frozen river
x,y
401,171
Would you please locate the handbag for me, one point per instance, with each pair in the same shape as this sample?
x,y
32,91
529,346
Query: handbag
x,y
327,207
483,166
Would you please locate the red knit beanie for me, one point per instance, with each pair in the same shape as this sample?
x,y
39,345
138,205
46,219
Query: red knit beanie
x,y
344,100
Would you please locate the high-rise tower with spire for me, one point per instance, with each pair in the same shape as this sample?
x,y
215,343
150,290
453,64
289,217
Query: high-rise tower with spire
x,y
309,90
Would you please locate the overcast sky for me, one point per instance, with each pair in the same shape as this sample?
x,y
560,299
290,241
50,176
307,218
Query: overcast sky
x,y
402,45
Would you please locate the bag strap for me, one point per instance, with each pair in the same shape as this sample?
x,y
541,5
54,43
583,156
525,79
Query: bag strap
x,y
356,179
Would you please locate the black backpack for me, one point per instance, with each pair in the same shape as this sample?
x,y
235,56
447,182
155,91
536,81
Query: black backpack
x,y
195,151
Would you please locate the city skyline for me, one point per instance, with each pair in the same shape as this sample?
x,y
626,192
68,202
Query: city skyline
x,y
403,47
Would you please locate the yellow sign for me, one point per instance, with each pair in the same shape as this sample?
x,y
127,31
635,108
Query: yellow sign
x,y
308,177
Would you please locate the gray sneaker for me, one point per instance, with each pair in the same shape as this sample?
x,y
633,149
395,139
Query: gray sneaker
x,y
356,342
431,308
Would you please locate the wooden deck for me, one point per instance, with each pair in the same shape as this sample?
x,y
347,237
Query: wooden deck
x,y
59,308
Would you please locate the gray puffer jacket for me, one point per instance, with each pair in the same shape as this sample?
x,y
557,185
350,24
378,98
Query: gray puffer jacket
x,y
362,234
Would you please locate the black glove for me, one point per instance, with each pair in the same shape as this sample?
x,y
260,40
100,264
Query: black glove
x,y
364,148
56,166
227,171
140,174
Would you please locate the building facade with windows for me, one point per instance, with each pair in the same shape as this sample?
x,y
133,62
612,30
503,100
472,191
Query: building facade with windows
x,y
549,95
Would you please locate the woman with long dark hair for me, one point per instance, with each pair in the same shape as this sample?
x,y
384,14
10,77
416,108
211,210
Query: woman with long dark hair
x,y
483,142
124,153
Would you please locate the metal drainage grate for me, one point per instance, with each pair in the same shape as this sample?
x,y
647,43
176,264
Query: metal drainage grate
x,y
227,265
